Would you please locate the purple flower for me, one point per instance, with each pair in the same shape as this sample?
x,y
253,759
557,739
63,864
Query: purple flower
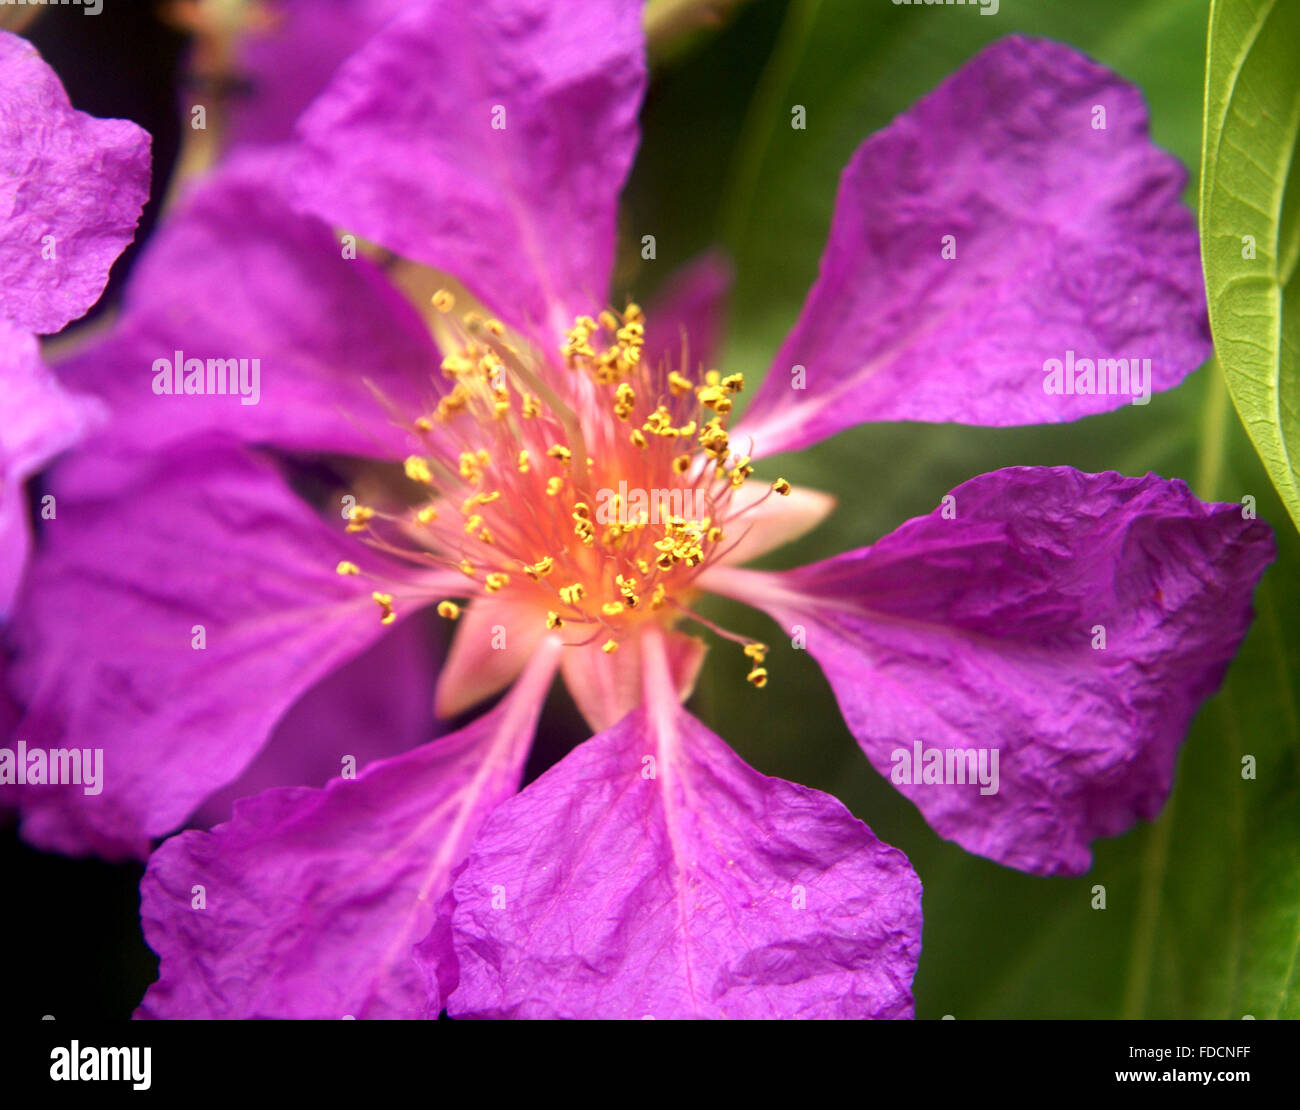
x,y
649,871
71,191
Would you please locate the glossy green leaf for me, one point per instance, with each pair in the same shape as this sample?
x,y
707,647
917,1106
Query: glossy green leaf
x,y
1250,222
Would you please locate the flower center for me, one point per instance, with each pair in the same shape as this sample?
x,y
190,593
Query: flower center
x,y
590,497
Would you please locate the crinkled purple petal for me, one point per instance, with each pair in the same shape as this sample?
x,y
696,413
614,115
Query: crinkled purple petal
x,y
233,274
289,55
106,626
652,873
71,190
490,140
377,705
1070,623
692,308
1068,238
41,419
314,899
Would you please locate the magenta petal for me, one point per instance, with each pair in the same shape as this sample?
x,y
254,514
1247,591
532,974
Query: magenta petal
x,y
286,59
490,140
106,629
314,899
377,705
71,190
983,631
233,274
652,873
691,308
40,420
1067,238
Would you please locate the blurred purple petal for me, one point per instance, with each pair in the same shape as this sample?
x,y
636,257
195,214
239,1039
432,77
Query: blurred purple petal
x,y
41,420
489,140
290,56
692,307
234,274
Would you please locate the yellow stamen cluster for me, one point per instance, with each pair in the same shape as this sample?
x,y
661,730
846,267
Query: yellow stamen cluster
x,y
532,463
616,360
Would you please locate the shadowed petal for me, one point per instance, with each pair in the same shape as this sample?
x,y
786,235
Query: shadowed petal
x,y
172,626
41,420
607,687
234,274
289,56
1069,624
692,306
1068,237
494,639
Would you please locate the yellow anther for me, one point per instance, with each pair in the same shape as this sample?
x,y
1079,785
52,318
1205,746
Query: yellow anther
x,y
417,469
681,464
359,517
453,366
715,534
473,524
496,581
553,485
540,569
757,678
756,651
608,321
531,406
523,465
612,608
466,568
560,452
385,603
714,397
469,466
638,438
658,597
443,300
553,619
609,647
496,327
733,383
571,595
423,424
679,385
782,487
347,568
427,515
448,610
581,510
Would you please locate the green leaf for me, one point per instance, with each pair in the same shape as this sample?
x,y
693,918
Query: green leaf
x,y
1250,223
